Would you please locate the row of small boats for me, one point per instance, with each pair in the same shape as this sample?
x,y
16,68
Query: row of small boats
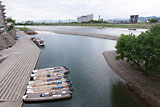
x,y
49,84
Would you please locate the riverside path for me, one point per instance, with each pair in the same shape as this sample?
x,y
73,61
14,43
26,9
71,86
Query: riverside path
x,y
16,69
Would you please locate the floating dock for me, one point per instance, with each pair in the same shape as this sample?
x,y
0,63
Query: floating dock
x,y
48,84
15,71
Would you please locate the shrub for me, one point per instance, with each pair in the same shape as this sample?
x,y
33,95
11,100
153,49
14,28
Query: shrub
x,y
142,50
153,20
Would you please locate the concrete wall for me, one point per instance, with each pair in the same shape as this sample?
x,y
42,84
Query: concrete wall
x,y
7,39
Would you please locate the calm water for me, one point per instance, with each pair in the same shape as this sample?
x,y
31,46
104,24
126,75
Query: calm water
x,y
109,31
94,83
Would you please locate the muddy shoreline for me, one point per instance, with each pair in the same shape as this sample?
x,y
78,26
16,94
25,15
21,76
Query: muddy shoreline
x,y
147,87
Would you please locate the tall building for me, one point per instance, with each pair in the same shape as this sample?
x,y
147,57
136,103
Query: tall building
x,y
3,21
133,19
85,18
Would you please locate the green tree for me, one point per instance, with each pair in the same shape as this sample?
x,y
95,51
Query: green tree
x,y
153,20
142,50
10,20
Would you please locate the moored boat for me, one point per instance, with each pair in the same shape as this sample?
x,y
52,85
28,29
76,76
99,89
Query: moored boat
x,y
50,88
38,41
48,96
50,73
48,83
55,69
47,80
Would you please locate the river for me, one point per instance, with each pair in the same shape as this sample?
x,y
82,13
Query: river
x,y
94,82
99,30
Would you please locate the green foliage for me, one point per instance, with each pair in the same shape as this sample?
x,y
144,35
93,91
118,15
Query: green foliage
x,y
9,28
153,20
10,20
23,28
97,21
142,50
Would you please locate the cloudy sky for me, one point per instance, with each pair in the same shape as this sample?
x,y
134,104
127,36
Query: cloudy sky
x,y
70,9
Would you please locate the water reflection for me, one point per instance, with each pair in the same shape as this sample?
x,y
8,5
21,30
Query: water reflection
x,y
123,97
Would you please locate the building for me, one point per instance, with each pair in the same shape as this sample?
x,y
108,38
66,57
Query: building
x,y
85,18
133,19
3,21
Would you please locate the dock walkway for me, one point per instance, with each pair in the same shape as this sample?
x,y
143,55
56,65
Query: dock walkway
x,y
16,69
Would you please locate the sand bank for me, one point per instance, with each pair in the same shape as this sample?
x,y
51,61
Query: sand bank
x,y
103,36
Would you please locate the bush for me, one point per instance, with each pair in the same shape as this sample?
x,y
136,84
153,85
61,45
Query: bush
x,y
142,50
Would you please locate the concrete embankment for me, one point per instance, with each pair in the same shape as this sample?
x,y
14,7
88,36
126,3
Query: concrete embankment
x,y
147,87
15,71
7,39
103,36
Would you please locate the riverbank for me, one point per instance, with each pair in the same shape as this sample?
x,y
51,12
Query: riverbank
x,y
147,87
100,25
16,69
103,36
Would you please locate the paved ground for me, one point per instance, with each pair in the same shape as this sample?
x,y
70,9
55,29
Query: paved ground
x,y
148,87
16,69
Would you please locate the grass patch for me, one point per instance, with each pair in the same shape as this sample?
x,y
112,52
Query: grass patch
x,y
143,26
23,28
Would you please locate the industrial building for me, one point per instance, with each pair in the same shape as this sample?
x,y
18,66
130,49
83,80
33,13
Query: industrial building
x,y
133,18
85,18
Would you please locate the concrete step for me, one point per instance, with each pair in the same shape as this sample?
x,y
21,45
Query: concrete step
x,y
26,78
12,81
18,81
9,77
19,76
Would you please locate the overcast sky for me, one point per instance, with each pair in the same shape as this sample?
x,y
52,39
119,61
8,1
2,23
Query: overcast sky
x,y
70,9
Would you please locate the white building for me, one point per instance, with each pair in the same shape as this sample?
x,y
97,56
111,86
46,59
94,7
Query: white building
x,y
85,18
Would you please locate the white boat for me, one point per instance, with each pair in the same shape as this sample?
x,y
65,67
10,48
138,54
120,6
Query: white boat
x,y
53,95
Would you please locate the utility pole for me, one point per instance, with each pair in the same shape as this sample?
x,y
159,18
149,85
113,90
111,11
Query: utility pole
x,y
99,17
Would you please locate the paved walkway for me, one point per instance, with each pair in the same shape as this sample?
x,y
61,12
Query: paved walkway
x,y
16,69
148,87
